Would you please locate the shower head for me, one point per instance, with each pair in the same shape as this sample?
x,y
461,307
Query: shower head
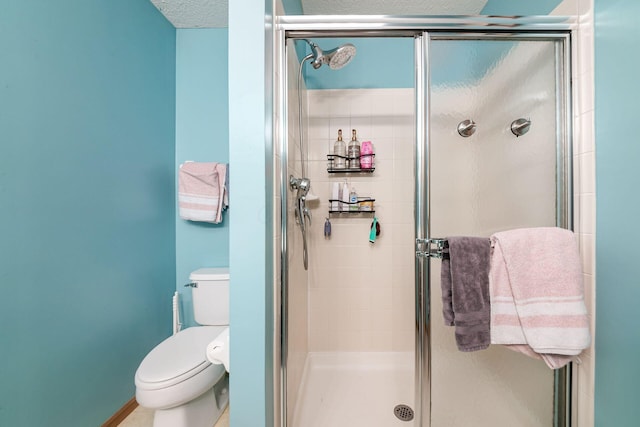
x,y
335,58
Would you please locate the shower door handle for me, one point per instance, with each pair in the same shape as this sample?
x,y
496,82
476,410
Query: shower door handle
x,y
430,248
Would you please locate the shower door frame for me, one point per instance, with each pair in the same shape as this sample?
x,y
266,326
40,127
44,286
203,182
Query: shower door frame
x,y
423,29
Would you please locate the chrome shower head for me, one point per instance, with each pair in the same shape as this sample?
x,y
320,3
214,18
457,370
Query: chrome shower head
x,y
335,58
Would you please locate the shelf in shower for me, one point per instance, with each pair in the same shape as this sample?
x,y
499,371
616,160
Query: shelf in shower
x,y
331,169
351,212
364,205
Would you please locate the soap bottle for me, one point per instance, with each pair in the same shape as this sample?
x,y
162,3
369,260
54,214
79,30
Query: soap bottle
x,y
340,152
366,155
354,151
345,197
353,200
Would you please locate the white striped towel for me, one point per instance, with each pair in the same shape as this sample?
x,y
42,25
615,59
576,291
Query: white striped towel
x,y
537,294
202,191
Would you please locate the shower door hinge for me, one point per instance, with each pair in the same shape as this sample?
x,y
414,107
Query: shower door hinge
x,y
430,248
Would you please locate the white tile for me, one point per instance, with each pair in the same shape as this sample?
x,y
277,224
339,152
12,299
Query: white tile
x,y
404,193
381,298
404,127
383,105
380,321
403,341
585,94
360,105
380,255
585,7
340,105
586,164
319,104
382,276
403,235
587,253
403,256
403,213
589,294
320,340
378,341
587,212
381,126
363,127
403,169
341,122
318,128
586,140
404,149
318,148
403,103
586,39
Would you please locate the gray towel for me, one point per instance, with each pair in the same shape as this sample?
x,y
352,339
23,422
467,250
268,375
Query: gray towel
x,y
465,291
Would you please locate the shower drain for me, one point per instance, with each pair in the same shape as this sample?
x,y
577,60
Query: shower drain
x,y
403,412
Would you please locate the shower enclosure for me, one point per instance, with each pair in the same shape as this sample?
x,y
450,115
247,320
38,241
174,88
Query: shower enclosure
x,y
478,142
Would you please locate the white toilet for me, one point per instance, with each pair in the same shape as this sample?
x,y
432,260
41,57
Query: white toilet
x,y
176,379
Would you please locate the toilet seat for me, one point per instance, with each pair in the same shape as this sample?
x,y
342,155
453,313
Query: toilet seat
x,y
177,369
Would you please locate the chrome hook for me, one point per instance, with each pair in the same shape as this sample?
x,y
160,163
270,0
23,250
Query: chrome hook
x,y
467,128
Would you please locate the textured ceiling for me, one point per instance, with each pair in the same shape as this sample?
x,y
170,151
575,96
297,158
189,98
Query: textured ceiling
x,y
213,13
194,13
392,7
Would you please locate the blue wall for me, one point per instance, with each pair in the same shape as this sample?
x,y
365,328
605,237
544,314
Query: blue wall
x,y
618,209
379,62
389,62
202,134
87,246
250,153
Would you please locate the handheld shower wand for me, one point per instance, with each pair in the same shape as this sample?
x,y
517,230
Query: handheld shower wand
x,y
335,58
302,185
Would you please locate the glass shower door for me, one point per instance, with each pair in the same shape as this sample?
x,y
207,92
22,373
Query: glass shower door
x,y
485,178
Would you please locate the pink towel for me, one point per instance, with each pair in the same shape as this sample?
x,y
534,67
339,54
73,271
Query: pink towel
x,y
537,294
202,192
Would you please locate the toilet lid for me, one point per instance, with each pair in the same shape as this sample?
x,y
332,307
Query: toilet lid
x,y
177,358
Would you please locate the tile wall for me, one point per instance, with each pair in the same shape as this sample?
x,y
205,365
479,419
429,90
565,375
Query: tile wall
x,y
584,195
298,276
361,295
584,190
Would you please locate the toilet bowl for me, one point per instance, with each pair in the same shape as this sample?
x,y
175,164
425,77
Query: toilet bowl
x,y
176,378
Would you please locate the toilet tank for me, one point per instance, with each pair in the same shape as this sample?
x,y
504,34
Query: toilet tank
x,y
210,296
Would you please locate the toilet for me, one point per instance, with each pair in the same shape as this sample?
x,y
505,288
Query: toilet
x,y
176,378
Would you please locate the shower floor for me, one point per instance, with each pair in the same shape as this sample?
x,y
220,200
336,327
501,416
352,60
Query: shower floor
x,y
355,389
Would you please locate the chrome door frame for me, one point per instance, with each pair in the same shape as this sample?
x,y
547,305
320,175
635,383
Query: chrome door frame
x,y
423,29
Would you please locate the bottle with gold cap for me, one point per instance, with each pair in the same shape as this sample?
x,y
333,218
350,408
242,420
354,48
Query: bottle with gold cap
x,y
353,151
340,152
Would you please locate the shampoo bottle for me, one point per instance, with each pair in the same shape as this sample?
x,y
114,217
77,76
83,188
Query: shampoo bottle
x,y
366,155
335,196
345,197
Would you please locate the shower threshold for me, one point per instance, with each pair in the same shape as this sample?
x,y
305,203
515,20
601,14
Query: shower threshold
x,y
349,389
